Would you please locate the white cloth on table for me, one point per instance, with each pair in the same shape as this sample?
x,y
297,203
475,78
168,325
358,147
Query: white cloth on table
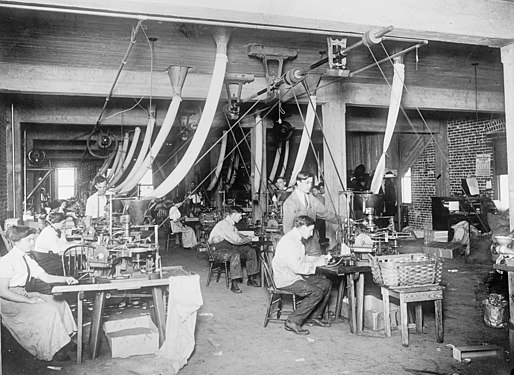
x,y
184,300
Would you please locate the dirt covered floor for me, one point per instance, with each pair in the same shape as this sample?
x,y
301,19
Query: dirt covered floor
x,y
231,339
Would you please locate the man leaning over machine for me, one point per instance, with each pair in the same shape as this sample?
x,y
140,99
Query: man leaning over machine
x,y
302,202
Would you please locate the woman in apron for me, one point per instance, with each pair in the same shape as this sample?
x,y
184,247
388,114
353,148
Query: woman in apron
x,y
40,323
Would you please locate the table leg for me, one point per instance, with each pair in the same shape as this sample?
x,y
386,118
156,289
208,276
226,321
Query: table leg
x,y
360,302
419,317
160,314
405,319
80,325
439,327
94,338
353,312
510,276
262,260
339,301
387,312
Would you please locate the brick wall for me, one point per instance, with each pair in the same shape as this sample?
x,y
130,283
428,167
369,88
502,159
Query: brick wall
x,y
466,139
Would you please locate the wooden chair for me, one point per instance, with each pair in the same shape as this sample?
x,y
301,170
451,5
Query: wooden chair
x,y
75,261
276,295
216,265
172,235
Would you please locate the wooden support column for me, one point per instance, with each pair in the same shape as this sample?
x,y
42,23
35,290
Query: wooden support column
x,y
18,168
442,175
9,147
334,150
507,56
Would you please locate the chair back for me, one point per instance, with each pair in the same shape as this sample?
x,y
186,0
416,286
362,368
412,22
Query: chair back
x,y
209,250
75,261
267,258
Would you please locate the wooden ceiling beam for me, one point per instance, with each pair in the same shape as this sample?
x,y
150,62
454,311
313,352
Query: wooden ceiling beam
x,y
460,21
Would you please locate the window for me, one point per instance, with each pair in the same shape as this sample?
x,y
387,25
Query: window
x,y
407,188
146,183
66,178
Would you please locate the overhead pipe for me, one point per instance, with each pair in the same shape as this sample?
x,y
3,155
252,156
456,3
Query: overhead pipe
x,y
305,140
392,116
177,76
221,158
123,155
230,168
221,36
128,158
142,154
106,164
116,161
258,152
275,163
286,159
234,172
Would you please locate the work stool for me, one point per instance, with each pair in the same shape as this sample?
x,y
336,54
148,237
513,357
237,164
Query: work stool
x,y
416,294
173,236
216,266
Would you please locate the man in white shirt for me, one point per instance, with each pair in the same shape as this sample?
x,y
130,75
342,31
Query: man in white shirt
x,y
232,245
293,271
95,204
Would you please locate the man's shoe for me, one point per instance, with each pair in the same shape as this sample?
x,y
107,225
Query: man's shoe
x,y
235,289
318,322
252,282
293,327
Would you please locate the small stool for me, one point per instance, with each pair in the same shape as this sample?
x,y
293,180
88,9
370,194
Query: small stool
x,y
416,294
178,239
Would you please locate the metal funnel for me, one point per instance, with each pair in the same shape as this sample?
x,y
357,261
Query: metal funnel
x,y
136,209
177,76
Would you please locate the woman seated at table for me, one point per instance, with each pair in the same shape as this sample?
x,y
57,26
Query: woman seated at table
x,y
188,233
51,243
40,323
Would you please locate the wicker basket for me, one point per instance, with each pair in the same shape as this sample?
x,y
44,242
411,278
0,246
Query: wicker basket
x,y
406,269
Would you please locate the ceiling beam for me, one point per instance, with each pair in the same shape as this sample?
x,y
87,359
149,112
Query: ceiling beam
x,y
426,98
460,21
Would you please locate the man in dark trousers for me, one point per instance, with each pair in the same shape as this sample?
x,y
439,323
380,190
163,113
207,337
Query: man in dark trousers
x,y
293,271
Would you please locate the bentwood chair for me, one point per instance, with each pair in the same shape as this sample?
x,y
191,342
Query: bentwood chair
x,y
75,261
276,295
217,265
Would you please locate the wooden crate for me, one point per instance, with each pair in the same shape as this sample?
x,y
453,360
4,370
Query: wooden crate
x,y
443,249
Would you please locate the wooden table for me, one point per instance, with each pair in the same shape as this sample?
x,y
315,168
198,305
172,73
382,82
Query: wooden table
x,y
415,294
157,287
356,297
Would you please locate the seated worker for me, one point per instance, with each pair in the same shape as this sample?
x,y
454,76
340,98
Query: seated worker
x,y
50,244
282,191
290,267
40,323
302,202
188,234
95,204
232,245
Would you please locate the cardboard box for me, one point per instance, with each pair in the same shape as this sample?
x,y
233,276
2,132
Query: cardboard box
x,y
132,336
